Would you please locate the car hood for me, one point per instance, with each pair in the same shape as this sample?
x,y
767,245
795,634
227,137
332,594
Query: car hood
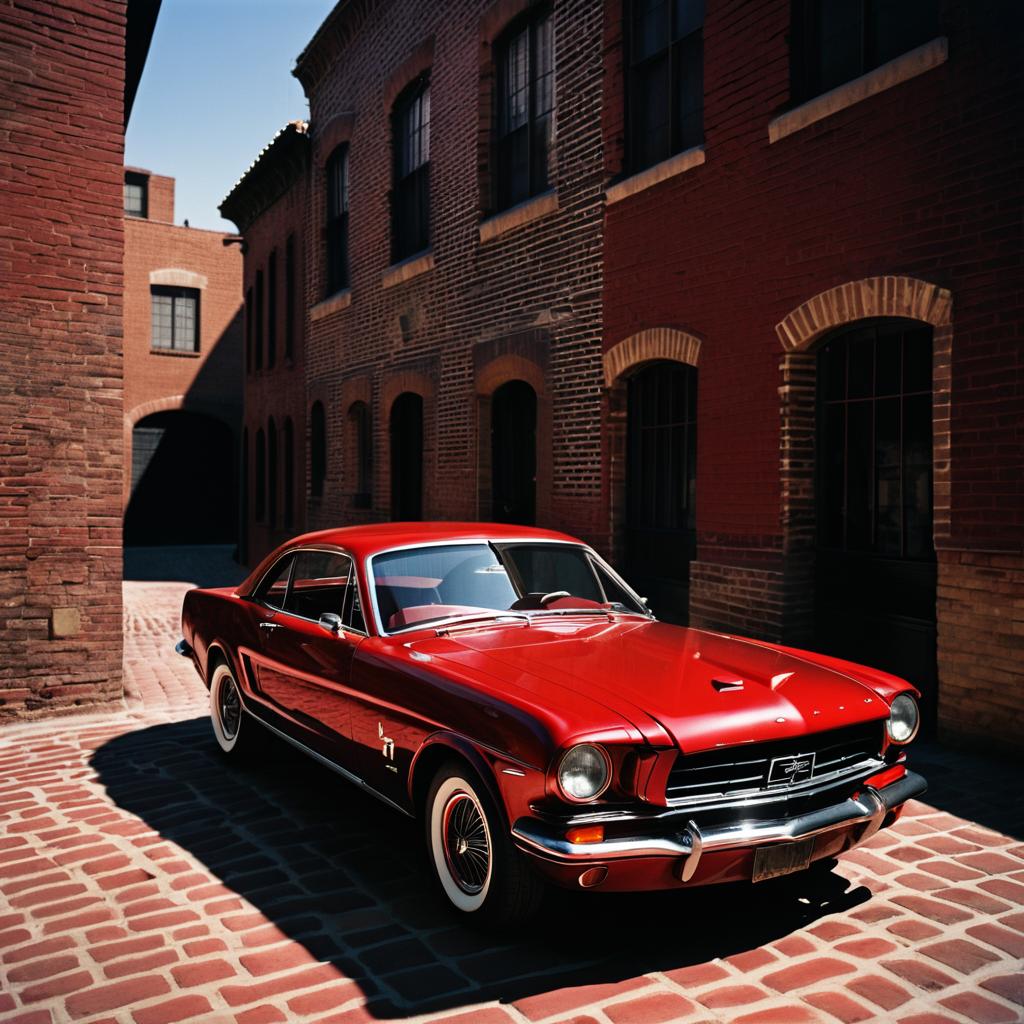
x,y
704,689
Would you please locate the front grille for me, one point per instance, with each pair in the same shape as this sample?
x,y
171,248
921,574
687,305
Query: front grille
x,y
735,772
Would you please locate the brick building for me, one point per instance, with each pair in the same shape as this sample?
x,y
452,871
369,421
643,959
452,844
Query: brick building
x,y
827,249
183,330
269,206
580,263
74,64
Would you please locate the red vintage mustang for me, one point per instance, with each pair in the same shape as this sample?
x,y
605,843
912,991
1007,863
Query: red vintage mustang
x,y
506,686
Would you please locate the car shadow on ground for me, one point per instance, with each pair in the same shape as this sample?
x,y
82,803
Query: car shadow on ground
x,y
344,876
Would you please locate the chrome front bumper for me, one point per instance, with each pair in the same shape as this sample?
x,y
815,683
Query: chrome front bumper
x,y
868,808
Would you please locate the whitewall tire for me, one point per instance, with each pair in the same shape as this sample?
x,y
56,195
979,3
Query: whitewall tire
x,y
477,867
226,714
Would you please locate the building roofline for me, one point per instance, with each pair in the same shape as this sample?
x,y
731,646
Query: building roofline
x,y
334,32
269,176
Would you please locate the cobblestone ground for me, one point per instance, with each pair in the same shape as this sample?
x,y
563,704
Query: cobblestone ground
x,y
142,880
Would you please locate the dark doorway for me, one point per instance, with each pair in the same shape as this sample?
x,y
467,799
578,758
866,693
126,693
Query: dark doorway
x,y
407,458
184,488
876,574
661,485
514,453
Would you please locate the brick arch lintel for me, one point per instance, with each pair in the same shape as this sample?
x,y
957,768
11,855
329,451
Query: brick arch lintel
x,y
406,380
649,345
177,277
509,367
905,297
332,134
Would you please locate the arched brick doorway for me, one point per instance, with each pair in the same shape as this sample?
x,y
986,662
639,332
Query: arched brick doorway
x,y
652,426
406,430
184,481
514,453
890,607
875,571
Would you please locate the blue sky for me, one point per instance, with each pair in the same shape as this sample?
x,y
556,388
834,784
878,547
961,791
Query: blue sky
x,y
216,88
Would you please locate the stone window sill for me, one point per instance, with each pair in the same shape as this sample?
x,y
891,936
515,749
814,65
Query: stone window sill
x,y
678,164
398,273
901,69
516,216
175,353
333,304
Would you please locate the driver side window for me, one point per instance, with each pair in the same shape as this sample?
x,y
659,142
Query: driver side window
x,y
319,584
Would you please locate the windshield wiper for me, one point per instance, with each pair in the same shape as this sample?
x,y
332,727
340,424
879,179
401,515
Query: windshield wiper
x,y
476,620
573,611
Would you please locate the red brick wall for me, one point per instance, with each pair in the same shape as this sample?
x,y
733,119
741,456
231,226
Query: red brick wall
x,y
920,181
209,381
530,294
60,353
277,393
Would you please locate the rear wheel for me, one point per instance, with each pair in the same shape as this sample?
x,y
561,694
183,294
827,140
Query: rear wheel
x,y
235,733
477,867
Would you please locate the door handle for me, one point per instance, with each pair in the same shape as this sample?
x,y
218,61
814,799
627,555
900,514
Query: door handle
x,y
270,625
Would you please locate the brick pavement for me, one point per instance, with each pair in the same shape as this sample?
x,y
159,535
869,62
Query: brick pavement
x,y
144,881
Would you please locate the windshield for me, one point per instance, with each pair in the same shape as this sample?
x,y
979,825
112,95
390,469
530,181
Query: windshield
x,y
417,586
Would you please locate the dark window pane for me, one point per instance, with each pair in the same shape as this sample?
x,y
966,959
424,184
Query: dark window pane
x,y
136,195
840,42
888,539
860,483
288,446
317,450
831,467
832,371
410,208
337,220
861,372
888,354
689,69
917,360
917,475
258,333
897,26
650,111
175,318
272,473
289,297
651,27
689,17
272,310
260,504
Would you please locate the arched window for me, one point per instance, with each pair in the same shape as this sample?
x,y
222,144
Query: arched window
x,y
359,418
317,450
272,471
288,443
410,194
272,310
525,94
337,220
261,476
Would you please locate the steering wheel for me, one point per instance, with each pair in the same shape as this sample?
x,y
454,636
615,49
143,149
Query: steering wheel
x,y
553,596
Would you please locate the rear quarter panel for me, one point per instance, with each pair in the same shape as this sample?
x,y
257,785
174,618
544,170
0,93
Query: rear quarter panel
x,y
217,619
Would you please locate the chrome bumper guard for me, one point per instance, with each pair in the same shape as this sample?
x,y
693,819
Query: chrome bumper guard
x,y
868,808
184,648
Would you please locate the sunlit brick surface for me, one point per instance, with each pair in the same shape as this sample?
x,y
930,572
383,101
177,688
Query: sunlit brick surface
x,y
143,880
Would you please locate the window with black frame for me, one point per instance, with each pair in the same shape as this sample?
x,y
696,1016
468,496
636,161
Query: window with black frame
x,y
289,298
136,195
664,79
249,327
525,99
175,318
835,41
337,220
410,196
317,450
359,417
257,339
272,310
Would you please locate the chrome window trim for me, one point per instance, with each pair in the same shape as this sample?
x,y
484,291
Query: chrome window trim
x,y
489,541
330,549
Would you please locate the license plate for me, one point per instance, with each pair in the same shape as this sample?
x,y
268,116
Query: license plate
x,y
784,859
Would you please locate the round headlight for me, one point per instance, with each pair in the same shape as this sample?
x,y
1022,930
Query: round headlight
x,y
583,773
904,719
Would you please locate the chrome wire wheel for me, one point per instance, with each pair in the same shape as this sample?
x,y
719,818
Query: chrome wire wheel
x,y
228,707
460,841
467,848
225,709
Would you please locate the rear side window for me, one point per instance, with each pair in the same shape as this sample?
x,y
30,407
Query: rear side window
x,y
273,589
322,582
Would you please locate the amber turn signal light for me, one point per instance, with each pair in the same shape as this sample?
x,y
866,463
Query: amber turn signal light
x,y
588,834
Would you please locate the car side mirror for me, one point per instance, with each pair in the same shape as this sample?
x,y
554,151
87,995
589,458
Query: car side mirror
x,y
330,622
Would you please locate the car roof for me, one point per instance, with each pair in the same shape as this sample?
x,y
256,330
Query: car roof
x,y
373,538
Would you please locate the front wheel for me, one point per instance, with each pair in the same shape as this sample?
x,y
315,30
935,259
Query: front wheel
x,y
478,868
236,734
